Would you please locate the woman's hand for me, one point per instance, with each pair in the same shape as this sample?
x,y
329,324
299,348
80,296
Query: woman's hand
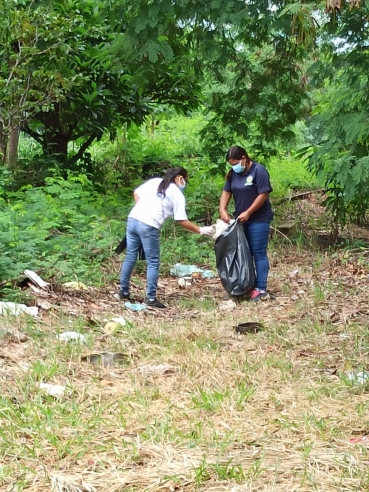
x,y
207,231
244,217
224,216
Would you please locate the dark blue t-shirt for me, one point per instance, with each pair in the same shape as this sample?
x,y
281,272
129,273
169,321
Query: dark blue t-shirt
x,y
245,187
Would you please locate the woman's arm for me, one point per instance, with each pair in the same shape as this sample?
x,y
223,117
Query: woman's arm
x,y
190,226
257,203
223,204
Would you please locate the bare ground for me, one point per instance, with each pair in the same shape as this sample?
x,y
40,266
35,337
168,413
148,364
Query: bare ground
x,y
196,406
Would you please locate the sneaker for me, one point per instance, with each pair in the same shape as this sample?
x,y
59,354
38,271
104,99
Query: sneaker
x,y
122,296
154,303
258,294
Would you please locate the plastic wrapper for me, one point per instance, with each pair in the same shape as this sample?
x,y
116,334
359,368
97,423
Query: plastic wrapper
x,y
179,270
234,261
219,227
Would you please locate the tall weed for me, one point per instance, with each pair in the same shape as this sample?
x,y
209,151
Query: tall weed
x,y
67,229
63,229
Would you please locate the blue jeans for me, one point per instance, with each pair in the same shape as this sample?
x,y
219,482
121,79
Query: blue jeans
x,y
257,234
138,234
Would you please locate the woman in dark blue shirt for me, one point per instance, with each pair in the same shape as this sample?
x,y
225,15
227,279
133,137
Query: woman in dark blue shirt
x,y
249,184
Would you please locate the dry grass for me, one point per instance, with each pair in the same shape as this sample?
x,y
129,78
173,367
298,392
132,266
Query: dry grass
x,y
196,406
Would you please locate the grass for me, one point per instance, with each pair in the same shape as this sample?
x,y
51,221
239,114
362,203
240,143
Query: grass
x,y
289,176
195,406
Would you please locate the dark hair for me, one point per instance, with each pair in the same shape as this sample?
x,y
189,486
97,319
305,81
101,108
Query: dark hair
x,y
236,152
170,176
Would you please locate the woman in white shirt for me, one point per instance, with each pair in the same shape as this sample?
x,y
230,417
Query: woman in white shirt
x,y
155,201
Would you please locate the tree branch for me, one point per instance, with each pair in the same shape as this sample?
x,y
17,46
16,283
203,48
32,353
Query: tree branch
x,y
82,150
32,133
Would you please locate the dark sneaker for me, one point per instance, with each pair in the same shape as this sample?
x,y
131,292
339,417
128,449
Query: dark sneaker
x,y
154,303
122,296
258,294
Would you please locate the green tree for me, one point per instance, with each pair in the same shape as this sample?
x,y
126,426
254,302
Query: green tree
x,y
80,77
101,89
340,122
250,54
31,40
112,62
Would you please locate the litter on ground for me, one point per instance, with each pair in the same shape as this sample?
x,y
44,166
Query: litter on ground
x,y
14,309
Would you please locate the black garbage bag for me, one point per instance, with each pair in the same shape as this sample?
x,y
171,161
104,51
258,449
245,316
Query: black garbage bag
x,y
123,245
234,261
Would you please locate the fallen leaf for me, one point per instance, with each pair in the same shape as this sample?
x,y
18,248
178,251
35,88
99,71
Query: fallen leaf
x,y
46,305
75,286
106,382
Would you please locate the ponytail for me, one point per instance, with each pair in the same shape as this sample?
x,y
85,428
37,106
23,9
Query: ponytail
x,y
169,178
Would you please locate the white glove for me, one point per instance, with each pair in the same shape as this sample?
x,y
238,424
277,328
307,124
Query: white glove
x,y
207,231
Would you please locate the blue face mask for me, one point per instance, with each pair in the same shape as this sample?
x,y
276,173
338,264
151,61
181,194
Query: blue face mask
x,y
238,168
182,186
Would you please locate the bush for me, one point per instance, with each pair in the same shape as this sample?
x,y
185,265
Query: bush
x,y
63,229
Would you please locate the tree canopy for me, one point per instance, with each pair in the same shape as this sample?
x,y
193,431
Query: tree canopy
x,y
72,70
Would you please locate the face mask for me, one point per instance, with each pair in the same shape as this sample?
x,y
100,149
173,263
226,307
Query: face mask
x,y
182,186
238,168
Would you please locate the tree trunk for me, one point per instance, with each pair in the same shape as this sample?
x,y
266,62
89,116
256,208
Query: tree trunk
x,y
124,153
152,131
56,145
55,138
2,144
11,158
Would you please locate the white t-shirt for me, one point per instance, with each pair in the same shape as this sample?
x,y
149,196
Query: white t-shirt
x,y
153,209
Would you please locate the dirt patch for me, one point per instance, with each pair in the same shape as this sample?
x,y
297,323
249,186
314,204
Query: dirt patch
x,y
196,406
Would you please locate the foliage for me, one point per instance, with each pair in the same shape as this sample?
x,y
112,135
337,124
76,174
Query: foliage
x,y
174,142
63,229
105,63
43,228
340,152
203,198
33,40
139,152
66,230
261,98
105,91
180,246
100,80
289,175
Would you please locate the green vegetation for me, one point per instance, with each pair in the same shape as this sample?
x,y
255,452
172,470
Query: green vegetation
x,y
76,73
97,96
195,401
67,229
